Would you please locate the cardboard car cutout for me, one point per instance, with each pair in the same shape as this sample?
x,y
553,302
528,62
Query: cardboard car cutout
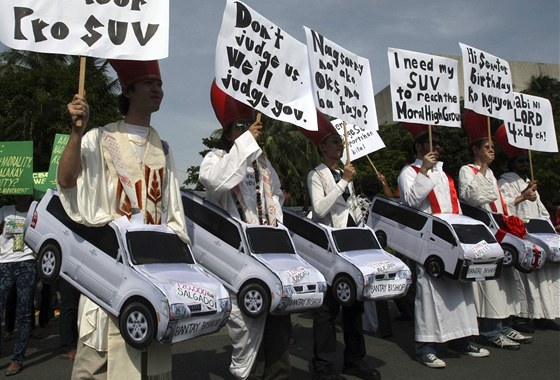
x,y
542,233
258,263
453,245
522,253
142,274
351,260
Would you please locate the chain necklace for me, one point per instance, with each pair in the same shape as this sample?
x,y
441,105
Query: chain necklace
x,y
258,195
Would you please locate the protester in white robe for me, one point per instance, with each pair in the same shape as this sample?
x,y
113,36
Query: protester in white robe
x,y
444,308
494,299
541,288
92,193
334,203
243,182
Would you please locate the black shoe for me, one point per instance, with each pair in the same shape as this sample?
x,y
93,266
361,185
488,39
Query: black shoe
x,y
523,327
362,370
326,373
546,324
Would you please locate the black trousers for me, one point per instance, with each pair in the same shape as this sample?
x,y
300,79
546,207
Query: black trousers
x,y
324,332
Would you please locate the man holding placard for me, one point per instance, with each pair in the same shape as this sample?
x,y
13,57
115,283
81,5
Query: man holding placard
x,y
334,203
494,299
104,174
539,288
425,186
241,180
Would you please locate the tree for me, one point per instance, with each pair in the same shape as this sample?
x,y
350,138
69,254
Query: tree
x,y
34,91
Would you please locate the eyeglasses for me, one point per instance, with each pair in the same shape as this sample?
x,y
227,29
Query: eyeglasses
x,y
335,141
242,125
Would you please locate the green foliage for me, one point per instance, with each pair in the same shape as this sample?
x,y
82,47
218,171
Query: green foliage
x,y
34,91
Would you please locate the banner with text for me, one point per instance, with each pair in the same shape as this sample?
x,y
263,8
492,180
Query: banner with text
x,y
488,88
260,65
341,80
40,185
120,29
360,141
424,88
531,124
16,167
60,141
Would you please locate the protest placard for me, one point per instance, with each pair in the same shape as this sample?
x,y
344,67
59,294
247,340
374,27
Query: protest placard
x,y
60,141
530,124
16,167
424,88
40,184
120,29
488,88
260,65
360,141
341,82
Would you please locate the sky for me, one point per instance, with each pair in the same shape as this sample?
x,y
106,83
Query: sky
x,y
514,30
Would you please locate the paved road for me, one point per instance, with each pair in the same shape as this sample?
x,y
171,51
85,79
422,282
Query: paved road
x,y
207,358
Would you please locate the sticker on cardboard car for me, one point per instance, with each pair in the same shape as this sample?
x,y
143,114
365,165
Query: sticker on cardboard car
x,y
481,270
481,248
195,328
295,275
383,289
298,302
382,266
197,293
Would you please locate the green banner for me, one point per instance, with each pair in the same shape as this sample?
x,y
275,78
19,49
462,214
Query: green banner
x,y
59,144
16,167
40,184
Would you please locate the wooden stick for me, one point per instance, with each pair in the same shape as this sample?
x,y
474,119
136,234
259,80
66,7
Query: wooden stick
x,y
371,162
430,137
258,120
346,143
81,83
531,165
489,131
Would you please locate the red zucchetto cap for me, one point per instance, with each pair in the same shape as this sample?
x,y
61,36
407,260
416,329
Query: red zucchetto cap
x,y
130,72
416,130
228,110
502,140
476,126
324,129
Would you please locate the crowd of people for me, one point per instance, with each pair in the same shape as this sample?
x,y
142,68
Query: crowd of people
x,y
123,161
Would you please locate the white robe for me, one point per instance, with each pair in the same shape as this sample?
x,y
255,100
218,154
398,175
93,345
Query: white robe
x,y
444,308
328,204
93,202
220,172
540,290
496,298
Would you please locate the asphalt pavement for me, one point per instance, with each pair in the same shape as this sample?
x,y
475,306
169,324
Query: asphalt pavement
x,y
207,358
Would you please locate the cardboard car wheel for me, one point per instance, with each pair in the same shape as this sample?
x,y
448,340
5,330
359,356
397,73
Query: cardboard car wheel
x,y
49,262
381,238
344,290
253,300
137,325
510,256
434,266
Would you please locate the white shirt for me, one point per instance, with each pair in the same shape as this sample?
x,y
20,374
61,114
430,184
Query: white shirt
x,y
12,248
